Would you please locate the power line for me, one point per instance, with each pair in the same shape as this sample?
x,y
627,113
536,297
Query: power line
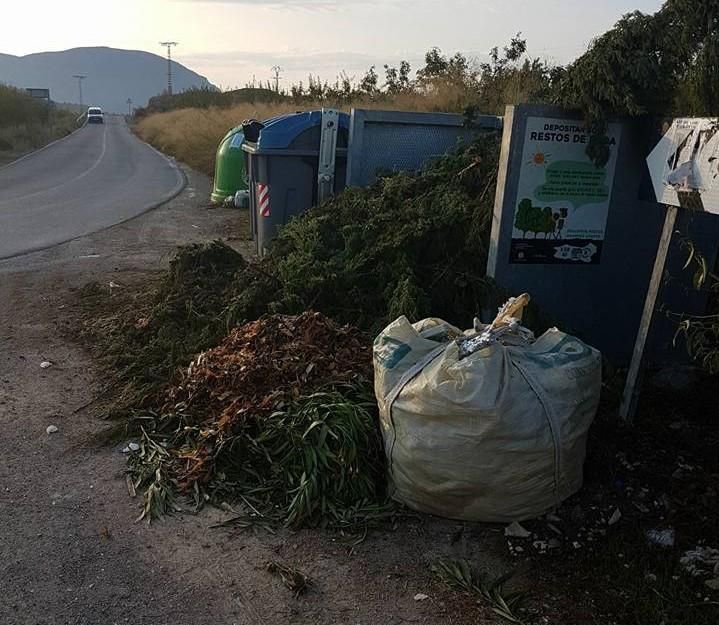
x,y
169,45
80,78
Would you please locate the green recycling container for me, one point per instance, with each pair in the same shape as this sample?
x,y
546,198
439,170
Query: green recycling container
x,y
230,175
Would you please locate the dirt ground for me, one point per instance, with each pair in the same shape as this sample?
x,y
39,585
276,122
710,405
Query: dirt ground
x,y
71,550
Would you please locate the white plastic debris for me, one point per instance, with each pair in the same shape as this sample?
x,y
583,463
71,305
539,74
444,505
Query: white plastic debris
x,y
515,530
540,545
52,429
45,364
420,596
615,517
702,561
661,538
114,285
133,446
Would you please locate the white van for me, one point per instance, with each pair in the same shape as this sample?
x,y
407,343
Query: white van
x,y
95,116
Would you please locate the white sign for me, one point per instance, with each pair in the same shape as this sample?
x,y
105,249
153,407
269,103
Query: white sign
x,y
563,197
684,165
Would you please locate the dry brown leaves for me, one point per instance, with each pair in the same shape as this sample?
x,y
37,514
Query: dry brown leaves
x,y
260,363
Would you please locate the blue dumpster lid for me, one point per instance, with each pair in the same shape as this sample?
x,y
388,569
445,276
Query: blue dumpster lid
x,y
279,132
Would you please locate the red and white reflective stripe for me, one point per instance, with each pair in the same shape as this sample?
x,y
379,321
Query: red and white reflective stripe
x,y
263,200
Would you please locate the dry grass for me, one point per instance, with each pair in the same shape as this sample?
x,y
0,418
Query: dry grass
x,y
191,135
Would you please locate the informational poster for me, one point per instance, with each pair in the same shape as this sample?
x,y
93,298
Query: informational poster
x,y
684,166
563,197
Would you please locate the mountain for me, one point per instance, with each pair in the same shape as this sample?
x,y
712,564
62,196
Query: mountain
x,y
113,75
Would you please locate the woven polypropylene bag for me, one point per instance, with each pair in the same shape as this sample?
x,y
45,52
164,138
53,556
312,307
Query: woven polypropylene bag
x,y
499,435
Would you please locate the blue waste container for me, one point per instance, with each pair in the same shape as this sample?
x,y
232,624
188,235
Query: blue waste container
x,y
283,168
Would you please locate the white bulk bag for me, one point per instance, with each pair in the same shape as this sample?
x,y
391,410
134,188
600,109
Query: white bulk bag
x,y
497,434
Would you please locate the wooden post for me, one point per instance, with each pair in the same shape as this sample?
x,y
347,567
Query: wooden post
x,y
632,387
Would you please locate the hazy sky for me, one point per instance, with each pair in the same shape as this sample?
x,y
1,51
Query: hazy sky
x,y
229,41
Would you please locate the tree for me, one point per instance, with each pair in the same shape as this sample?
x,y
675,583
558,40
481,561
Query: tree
x,y
435,65
441,72
397,80
523,218
369,82
662,64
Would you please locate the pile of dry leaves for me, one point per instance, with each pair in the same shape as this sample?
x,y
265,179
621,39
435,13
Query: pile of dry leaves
x,y
277,417
263,362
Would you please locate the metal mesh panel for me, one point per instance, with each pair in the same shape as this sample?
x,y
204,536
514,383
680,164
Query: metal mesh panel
x,y
391,147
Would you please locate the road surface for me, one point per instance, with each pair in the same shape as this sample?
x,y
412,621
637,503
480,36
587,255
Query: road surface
x,y
99,176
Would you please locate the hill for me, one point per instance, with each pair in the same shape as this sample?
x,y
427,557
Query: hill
x,y
113,75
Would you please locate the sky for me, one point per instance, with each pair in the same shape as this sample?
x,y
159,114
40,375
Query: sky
x,y
232,41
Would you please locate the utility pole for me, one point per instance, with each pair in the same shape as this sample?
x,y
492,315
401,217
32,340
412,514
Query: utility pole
x,y
169,45
129,107
80,78
277,70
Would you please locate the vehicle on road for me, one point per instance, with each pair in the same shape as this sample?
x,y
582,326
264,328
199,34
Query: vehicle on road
x,y
95,115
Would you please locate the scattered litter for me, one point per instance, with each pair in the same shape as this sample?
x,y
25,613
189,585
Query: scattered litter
x,y
540,545
114,285
89,256
130,486
45,364
615,517
515,530
577,544
133,447
195,226
701,562
125,450
52,429
661,538
421,597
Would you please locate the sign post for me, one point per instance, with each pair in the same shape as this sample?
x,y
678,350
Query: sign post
x,y
684,168
631,389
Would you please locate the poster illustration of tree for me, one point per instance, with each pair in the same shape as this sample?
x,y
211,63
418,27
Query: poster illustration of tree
x,y
562,196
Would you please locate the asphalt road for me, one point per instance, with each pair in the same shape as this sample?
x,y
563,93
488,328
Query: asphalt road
x,y
99,176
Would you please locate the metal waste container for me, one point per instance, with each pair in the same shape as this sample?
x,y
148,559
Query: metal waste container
x,y
298,161
230,174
